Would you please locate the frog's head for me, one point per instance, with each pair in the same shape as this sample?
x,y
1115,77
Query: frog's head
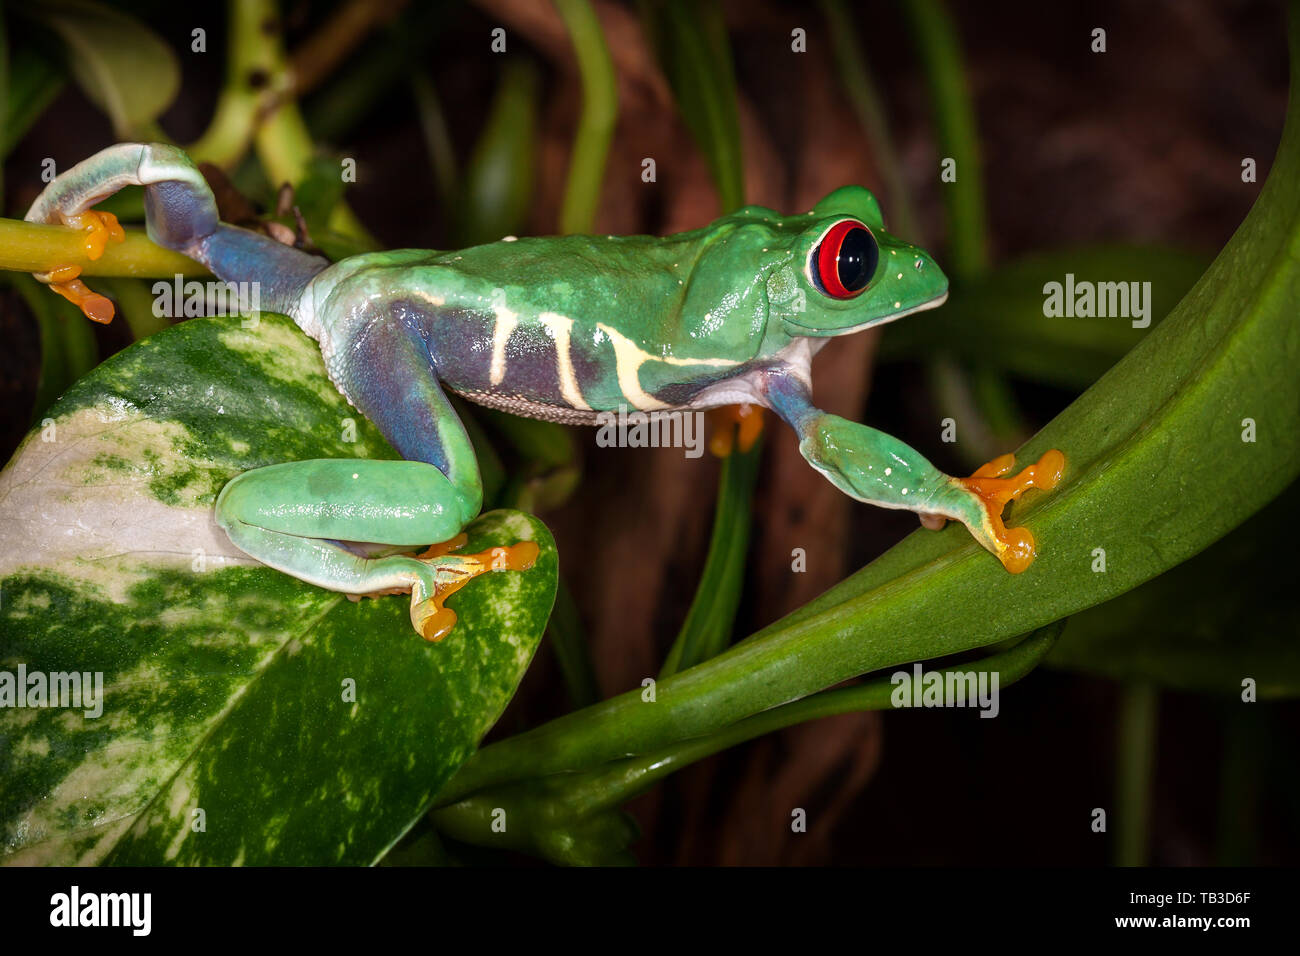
x,y
848,274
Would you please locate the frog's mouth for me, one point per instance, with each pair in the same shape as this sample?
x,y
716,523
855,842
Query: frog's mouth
x,y
881,320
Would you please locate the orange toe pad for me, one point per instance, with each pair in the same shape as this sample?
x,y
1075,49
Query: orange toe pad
x,y
100,227
1015,546
94,306
431,617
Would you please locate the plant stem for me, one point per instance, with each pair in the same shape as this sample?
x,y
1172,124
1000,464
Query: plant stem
x,y
136,306
567,641
1135,762
787,661
866,102
620,781
437,138
599,114
250,60
1010,665
708,626
936,42
36,247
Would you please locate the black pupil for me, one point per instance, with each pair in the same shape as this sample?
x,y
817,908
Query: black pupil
x,y
857,259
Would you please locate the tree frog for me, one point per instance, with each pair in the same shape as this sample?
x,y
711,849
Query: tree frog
x,y
558,328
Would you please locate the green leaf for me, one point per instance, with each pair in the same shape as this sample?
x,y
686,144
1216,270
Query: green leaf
x,y
691,42
707,629
596,122
225,681
121,65
998,319
935,34
572,818
497,188
1227,614
34,81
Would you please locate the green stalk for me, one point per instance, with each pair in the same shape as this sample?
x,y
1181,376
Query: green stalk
x,y
496,188
269,113
707,629
562,814
691,41
994,411
36,247
135,305
870,109
252,52
564,630
1135,763
936,41
437,138
599,114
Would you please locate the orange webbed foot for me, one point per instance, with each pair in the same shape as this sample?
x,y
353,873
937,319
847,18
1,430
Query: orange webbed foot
x,y
101,228
429,614
734,426
1014,547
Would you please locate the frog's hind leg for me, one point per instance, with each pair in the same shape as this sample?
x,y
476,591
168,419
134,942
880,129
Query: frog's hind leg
x,y
245,510
294,516
180,213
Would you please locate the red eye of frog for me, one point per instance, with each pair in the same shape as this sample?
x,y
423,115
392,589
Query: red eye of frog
x,y
845,260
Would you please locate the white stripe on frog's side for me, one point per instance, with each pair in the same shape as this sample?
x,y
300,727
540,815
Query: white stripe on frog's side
x,y
502,328
628,359
561,328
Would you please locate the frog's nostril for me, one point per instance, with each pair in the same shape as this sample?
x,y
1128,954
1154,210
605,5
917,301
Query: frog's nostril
x,y
920,264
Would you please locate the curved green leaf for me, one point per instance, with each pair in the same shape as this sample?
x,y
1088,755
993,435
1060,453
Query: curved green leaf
x,y
305,727
691,42
497,187
33,83
596,122
1226,615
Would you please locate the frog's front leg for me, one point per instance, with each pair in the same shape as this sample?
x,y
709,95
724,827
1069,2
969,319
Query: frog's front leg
x,y
879,469
306,518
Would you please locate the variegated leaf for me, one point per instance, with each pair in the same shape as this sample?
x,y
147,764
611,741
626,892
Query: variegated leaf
x,y
246,716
